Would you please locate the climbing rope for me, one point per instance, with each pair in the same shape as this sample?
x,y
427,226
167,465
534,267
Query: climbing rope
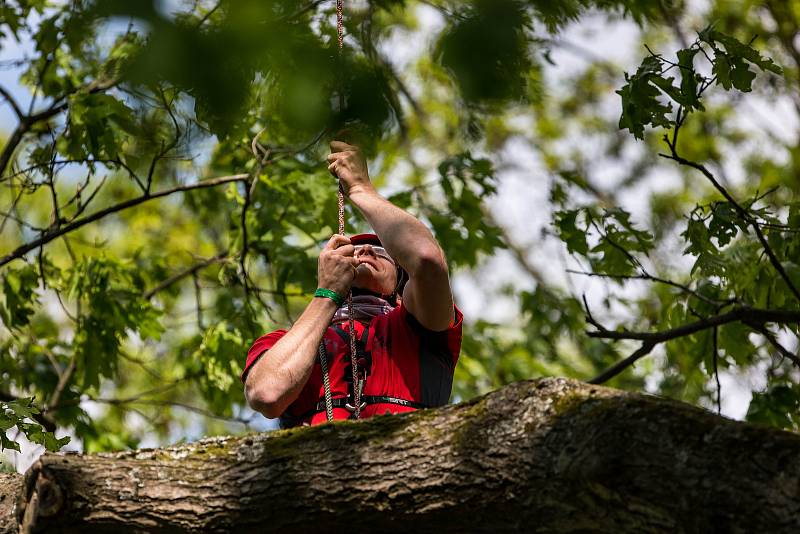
x,y
357,383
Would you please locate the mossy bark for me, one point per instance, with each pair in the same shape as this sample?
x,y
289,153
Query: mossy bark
x,y
550,455
10,487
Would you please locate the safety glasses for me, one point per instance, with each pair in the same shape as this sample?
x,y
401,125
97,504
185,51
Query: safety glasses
x,y
379,251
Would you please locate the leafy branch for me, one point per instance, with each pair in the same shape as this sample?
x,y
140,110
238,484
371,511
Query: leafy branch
x,y
58,232
647,99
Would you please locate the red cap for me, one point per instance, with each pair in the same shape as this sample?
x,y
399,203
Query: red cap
x,y
365,239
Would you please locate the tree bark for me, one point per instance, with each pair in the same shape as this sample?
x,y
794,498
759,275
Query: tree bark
x,y
10,487
551,455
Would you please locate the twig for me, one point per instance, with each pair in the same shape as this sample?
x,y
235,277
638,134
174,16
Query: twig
x,y
133,398
208,14
63,380
716,370
769,336
190,271
19,222
617,368
589,318
647,276
13,208
743,213
13,103
634,261
198,301
166,403
83,205
11,145
308,7
141,363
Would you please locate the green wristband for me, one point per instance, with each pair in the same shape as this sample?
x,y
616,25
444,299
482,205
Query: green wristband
x,y
327,293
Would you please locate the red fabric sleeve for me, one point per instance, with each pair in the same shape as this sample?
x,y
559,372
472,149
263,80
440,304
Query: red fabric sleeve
x,y
262,345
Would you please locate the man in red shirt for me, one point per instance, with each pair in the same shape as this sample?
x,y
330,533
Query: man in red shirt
x,y
407,329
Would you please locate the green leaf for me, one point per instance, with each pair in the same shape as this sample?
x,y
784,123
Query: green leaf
x,y
19,413
219,357
737,49
731,65
19,290
689,79
777,406
640,99
741,76
725,223
569,233
486,51
734,340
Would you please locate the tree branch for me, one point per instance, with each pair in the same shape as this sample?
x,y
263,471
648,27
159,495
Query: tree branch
x,y
63,380
222,256
26,121
11,145
13,103
647,276
716,369
769,336
649,340
49,236
620,366
744,314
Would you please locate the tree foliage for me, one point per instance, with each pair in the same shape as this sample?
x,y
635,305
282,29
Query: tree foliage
x,y
164,196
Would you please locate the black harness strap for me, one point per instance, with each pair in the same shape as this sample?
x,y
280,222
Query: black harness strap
x,y
342,402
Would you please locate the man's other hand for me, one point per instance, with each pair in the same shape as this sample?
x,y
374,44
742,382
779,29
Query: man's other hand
x,y
347,163
337,265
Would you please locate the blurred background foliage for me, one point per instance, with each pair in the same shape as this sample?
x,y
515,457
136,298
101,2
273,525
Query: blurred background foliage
x,y
165,195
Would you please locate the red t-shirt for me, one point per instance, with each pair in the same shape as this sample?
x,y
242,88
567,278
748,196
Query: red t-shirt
x,y
402,359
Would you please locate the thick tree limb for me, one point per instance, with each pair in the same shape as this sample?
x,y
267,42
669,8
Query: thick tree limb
x,y
74,225
550,455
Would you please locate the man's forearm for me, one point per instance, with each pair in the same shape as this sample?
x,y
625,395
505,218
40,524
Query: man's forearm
x,y
406,239
276,379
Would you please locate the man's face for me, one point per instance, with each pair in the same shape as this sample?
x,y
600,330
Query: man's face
x,y
376,271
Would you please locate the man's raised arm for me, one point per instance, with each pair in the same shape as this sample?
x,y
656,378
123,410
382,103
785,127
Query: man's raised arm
x,y
427,296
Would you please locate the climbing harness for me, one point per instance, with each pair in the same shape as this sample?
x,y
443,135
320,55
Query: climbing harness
x,y
358,382
288,421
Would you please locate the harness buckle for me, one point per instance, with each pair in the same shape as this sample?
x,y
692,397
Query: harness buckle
x,y
352,408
